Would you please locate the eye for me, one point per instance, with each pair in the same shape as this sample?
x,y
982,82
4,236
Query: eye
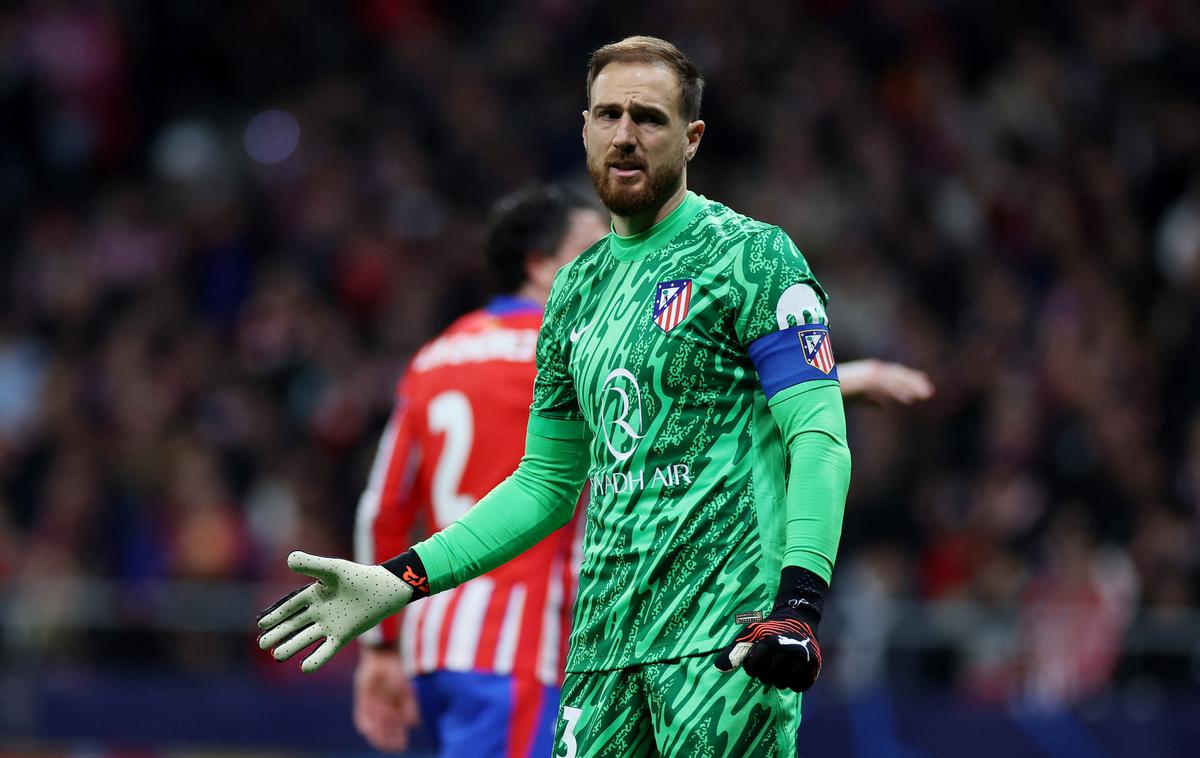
x,y
648,117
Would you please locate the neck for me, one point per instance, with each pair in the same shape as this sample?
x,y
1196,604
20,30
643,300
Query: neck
x,y
533,291
627,226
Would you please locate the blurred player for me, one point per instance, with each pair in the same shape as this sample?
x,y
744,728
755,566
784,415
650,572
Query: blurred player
x,y
457,430
687,357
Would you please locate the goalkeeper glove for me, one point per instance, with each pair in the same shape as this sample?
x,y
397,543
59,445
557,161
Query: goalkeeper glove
x,y
346,600
782,650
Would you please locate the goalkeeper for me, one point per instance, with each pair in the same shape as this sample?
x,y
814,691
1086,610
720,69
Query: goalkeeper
x,y
686,374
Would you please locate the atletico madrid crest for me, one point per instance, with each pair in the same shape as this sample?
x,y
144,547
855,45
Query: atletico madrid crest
x,y
818,351
671,301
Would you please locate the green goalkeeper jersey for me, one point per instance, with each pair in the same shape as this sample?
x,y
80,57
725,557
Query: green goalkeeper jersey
x,y
646,340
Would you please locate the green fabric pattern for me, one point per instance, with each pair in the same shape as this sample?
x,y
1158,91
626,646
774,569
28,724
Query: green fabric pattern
x,y
677,709
813,423
687,520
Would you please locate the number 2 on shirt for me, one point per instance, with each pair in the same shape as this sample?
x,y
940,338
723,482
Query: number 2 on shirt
x,y
450,414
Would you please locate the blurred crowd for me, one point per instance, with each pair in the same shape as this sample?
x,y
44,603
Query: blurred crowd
x,y
226,228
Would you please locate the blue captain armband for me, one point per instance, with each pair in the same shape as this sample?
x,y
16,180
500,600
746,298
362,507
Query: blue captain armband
x,y
793,356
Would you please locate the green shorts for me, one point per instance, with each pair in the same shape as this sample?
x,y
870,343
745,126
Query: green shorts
x,y
675,708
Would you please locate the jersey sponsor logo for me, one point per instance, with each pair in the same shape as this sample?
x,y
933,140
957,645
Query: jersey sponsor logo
x,y
818,351
671,301
620,414
618,482
622,423
577,332
799,305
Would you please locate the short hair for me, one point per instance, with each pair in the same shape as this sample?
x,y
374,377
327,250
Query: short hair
x,y
652,50
530,221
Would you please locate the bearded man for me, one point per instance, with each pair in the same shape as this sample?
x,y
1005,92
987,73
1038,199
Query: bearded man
x,y
686,375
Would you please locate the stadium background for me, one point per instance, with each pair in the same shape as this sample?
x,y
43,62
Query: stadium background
x,y
226,226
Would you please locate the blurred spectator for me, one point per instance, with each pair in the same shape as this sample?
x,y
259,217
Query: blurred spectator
x,y
201,320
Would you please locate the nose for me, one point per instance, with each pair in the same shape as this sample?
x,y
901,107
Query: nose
x,y
625,137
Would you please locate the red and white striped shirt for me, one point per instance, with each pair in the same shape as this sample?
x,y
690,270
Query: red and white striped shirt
x,y
458,430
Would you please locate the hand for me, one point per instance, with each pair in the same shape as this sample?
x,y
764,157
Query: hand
x,y
346,600
884,383
385,706
780,651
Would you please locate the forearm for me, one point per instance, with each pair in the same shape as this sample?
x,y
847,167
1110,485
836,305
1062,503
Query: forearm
x,y
813,424
536,499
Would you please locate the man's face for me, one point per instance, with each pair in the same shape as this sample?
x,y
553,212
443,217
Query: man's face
x,y
638,143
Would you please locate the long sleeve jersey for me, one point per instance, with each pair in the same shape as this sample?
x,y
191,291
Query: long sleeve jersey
x,y
687,375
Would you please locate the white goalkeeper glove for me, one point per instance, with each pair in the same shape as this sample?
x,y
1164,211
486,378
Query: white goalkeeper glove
x,y
346,600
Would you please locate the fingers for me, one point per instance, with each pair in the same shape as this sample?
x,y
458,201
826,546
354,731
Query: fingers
x,y
905,385
775,667
264,612
410,713
394,737
318,567
321,655
731,657
302,639
390,734
787,673
365,719
287,606
385,734
758,660
381,721
284,630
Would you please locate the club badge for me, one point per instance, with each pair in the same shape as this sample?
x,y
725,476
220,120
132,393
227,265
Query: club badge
x,y
671,301
818,351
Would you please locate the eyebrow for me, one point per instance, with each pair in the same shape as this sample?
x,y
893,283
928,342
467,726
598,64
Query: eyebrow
x,y
635,109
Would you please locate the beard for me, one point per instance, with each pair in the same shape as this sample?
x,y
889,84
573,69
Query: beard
x,y
652,192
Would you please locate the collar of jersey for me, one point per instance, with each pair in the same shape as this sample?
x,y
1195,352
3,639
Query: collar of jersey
x,y
643,243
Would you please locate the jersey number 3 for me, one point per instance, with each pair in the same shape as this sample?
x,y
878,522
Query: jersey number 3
x,y
571,718
450,414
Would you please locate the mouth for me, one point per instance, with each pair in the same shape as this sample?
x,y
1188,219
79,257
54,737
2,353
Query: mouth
x,y
626,169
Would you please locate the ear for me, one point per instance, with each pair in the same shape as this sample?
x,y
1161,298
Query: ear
x,y
695,131
540,270
585,126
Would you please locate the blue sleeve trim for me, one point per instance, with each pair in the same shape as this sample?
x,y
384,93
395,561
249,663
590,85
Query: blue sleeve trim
x,y
793,356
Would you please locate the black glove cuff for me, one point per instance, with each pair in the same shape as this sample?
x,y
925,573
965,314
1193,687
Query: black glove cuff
x,y
803,592
408,567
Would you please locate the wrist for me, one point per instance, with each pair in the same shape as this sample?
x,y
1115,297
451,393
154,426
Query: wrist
x,y
409,569
803,592
385,647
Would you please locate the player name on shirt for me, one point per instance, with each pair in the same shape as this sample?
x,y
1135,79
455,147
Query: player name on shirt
x,y
516,345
